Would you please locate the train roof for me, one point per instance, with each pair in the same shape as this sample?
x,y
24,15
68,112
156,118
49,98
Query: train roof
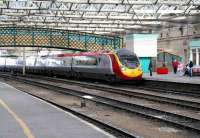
x,y
126,52
84,54
120,52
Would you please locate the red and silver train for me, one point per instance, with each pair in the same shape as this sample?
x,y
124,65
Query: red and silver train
x,y
111,66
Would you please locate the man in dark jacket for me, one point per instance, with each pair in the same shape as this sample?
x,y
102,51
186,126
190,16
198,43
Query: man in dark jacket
x,y
150,67
190,70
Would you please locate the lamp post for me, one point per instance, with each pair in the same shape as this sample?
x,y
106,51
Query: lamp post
x,y
24,62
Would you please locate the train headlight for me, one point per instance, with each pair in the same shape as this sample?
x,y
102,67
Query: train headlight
x,y
123,68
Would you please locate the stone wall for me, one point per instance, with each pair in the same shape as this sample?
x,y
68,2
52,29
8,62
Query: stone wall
x,y
176,40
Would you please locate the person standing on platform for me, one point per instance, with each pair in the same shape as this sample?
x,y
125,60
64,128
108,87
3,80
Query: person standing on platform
x,y
150,67
175,65
190,68
180,69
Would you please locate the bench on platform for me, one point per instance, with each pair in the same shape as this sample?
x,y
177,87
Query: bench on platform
x,y
196,70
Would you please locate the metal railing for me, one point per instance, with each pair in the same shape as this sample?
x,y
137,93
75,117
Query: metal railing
x,y
42,37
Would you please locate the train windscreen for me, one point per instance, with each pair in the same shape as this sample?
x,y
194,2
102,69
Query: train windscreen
x,y
128,58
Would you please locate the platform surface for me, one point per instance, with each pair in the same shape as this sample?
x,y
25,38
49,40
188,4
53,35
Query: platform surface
x,y
171,77
23,116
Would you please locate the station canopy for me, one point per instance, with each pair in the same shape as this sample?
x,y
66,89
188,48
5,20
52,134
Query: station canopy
x,y
99,16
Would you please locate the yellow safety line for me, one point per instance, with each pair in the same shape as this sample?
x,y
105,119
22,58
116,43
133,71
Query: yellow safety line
x,y
23,125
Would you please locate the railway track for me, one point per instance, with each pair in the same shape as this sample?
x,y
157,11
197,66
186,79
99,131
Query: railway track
x,y
118,132
131,93
186,89
164,116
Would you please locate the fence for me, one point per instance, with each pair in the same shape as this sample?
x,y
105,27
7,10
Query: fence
x,y
54,38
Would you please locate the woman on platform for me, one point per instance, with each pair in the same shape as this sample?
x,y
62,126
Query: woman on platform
x,y
175,65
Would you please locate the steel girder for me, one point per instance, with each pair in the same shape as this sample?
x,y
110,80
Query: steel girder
x,y
104,16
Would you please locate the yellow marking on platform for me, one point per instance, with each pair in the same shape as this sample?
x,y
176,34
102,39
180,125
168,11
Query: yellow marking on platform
x,y
23,125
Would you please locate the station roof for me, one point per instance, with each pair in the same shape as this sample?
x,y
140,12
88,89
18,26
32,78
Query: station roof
x,y
99,16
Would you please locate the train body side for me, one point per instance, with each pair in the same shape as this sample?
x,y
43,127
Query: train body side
x,y
94,66
88,65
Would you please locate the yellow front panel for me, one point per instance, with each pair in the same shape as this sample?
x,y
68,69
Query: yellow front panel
x,y
129,72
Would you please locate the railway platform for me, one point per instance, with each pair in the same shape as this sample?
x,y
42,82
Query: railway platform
x,y
23,116
171,77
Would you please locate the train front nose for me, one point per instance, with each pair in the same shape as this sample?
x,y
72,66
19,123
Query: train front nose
x,y
129,64
132,73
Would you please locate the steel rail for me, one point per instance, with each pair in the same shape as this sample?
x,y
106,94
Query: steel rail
x,y
187,89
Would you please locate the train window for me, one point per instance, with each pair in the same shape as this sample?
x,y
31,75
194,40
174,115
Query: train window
x,y
130,61
67,61
99,59
194,56
129,57
86,60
